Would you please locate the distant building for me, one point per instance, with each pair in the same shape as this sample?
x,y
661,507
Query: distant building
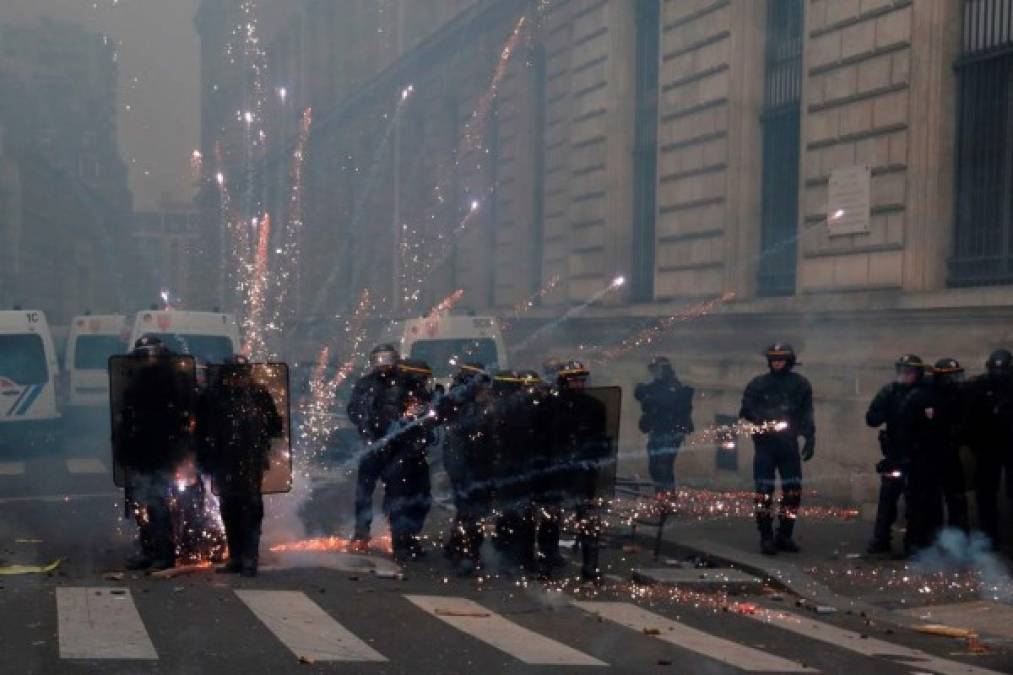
x,y
63,185
837,172
166,245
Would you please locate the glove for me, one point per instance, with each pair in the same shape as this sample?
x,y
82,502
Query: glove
x,y
808,449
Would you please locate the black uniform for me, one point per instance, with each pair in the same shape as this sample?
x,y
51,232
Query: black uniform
x,y
517,433
373,408
237,420
579,438
923,435
468,459
784,397
990,434
667,407
951,416
405,473
894,469
153,436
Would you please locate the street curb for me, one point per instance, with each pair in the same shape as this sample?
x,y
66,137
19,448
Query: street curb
x,y
790,577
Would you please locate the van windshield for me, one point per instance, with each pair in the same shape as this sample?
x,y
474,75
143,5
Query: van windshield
x,y
207,348
23,359
443,356
92,352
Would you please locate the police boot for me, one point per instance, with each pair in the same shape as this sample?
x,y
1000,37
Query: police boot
x,y
784,540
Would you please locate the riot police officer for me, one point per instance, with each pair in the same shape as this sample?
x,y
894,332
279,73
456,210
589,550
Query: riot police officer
x,y
666,417
372,408
405,472
990,426
951,414
580,442
467,457
780,404
151,435
238,418
517,435
886,409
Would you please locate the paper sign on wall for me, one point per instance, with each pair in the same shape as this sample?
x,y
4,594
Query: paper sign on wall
x,y
848,199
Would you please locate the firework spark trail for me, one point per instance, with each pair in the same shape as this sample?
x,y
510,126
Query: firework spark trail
x,y
648,335
474,130
528,303
614,285
359,209
287,253
253,319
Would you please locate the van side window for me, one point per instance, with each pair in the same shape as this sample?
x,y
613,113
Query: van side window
x,y
23,359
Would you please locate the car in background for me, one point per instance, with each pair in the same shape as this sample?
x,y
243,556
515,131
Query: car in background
x,y
29,371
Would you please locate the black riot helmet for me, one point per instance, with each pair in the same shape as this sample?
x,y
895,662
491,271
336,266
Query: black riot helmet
x,y
470,373
384,356
948,370
417,373
910,362
660,367
999,362
551,367
781,351
573,375
150,345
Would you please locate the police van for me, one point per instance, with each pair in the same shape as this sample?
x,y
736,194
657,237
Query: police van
x,y
91,340
210,337
444,342
28,375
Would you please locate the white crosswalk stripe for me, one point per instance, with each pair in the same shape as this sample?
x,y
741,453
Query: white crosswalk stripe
x,y
678,634
87,465
525,645
867,646
303,627
101,623
12,468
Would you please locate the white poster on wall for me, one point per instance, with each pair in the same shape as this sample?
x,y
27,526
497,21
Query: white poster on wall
x,y
848,199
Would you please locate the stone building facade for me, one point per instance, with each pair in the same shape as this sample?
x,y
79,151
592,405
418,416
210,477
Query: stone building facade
x,y
827,172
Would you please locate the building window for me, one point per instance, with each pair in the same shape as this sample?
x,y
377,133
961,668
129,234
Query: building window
x,y
645,159
781,126
983,227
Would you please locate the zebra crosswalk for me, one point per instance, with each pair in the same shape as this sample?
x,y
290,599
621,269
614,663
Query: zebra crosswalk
x,y
103,623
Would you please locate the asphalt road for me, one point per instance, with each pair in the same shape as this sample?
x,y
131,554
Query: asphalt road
x,y
340,615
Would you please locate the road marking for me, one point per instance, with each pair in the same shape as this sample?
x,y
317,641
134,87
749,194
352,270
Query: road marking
x,y
303,627
681,635
85,465
61,498
475,620
12,468
867,646
101,623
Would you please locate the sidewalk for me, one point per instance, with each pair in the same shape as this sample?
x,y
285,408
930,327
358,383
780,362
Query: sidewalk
x,y
832,570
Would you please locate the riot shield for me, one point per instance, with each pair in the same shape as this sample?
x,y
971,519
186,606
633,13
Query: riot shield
x,y
152,402
256,396
612,399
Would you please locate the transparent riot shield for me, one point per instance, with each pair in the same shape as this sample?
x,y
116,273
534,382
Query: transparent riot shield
x,y
152,403
252,401
612,399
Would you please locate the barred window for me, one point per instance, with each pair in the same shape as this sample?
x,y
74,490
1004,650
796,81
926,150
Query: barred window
x,y
781,123
983,245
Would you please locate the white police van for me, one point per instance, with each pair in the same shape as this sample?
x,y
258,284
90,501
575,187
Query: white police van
x,y
210,337
91,340
28,378
444,342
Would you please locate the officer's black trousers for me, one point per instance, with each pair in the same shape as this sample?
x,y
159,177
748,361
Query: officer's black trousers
x,y
991,463
891,489
242,515
774,457
370,468
924,505
150,494
409,493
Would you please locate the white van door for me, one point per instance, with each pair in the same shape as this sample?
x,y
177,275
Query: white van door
x,y
27,387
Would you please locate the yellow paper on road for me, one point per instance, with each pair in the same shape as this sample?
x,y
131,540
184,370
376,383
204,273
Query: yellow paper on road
x,y
29,569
